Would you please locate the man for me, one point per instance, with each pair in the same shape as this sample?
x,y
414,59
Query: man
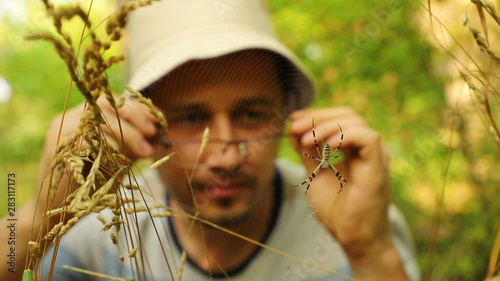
x,y
235,213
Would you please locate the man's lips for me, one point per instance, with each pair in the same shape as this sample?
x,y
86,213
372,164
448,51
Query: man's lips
x,y
223,184
223,188
216,191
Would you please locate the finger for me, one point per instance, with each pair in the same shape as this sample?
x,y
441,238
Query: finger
x,y
302,120
331,131
135,113
132,140
62,127
365,141
366,157
139,115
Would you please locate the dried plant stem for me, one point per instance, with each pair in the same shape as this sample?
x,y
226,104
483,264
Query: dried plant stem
x,y
204,141
495,253
181,266
169,211
484,44
95,274
159,162
95,168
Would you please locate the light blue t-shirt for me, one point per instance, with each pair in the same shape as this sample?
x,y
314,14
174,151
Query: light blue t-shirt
x,y
300,247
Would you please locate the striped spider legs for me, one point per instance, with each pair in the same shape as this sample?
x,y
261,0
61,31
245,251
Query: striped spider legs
x,y
326,155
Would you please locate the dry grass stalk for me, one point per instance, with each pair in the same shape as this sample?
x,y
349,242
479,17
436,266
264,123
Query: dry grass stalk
x,y
479,71
95,274
156,113
132,253
160,162
494,264
34,249
114,238
181,265
204,142
482,38
173,212
94,165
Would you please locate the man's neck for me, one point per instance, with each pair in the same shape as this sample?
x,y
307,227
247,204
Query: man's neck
x,y
216,250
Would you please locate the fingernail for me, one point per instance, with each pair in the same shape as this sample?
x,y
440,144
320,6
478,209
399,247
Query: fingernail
x,y
306,139
296,124
296,113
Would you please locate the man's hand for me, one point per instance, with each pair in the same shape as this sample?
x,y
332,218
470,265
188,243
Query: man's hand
x,y
358,215
138,127
130,129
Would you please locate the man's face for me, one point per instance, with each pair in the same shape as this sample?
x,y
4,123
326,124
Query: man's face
x,y
239,98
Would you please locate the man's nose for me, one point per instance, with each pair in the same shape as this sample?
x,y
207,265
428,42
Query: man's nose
x,y
225,150
221,128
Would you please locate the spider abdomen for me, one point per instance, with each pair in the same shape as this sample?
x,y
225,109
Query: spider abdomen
x,y
326,152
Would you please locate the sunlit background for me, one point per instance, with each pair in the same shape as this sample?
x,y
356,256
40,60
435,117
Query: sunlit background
x,y
386,60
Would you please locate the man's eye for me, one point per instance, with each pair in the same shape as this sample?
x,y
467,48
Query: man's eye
x,y
190,119
251,117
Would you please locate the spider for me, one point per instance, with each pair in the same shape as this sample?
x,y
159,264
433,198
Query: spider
x,y
324,161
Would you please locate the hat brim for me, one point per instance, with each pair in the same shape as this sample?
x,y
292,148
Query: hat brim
x,y
165,54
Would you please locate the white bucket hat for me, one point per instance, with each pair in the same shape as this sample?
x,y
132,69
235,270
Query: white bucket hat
x,y
168,33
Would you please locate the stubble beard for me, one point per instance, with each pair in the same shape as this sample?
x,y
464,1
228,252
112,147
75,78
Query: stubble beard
x,y
227,215
233,220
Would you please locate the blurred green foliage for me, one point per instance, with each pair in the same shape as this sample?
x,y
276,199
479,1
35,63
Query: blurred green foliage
x,y
41,88
366,55
371,57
